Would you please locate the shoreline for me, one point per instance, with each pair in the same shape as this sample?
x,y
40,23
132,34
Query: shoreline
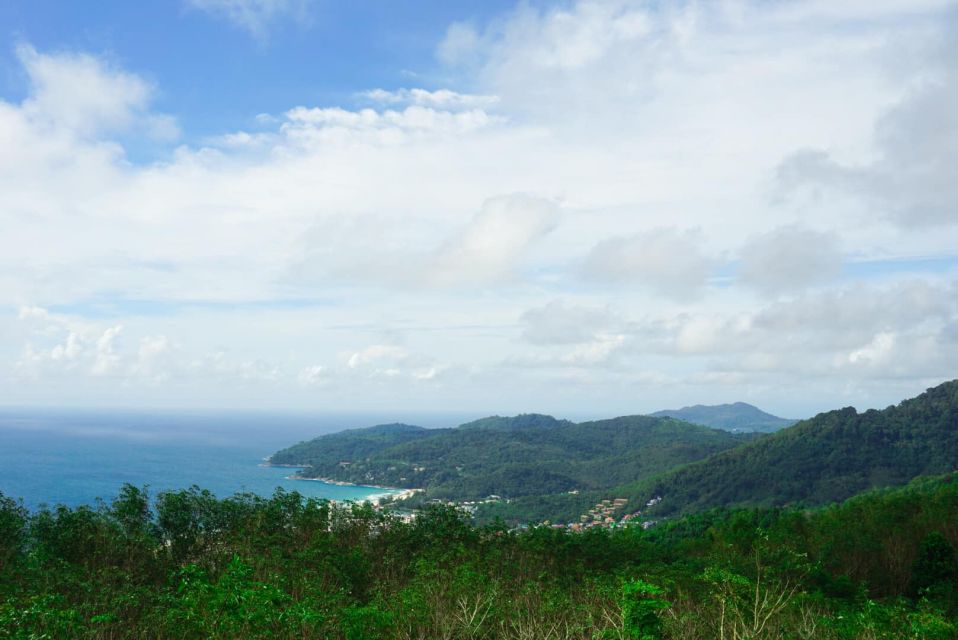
x,y
395,493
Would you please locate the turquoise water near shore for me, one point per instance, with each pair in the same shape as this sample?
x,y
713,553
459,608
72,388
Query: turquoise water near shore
x,y
74,457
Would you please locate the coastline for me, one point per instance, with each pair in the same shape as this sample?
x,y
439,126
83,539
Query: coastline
x,y
395,493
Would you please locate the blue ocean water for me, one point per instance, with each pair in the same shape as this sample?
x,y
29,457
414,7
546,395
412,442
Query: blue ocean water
x,y
74,457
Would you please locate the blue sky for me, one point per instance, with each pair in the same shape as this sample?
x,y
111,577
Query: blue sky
x,y
583,208
217,76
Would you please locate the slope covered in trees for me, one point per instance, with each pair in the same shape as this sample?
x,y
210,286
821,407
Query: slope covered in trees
x,y
352,444
824,459
738,416
187,565
519,456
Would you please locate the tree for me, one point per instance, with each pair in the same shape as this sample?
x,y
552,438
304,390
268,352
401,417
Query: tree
x,y
936,567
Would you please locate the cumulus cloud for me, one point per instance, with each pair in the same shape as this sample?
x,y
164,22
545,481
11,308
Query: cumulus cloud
x,y
107,360
487,249
439,99
789,259
911,178
376,353
375,362
316,125
70,350
491,246
335,222
665,260
875,351
560,39
84,95
314,375
861,332
59,346
155,358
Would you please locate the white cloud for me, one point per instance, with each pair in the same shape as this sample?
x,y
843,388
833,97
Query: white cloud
x,y
107,361
877,350
560,323
859,333
335,226
487,249
304,125
491,246
70,350
557,39
665,260
460,45
254,16
376,353
910,176
155,358
58,346
789,259
81,94
602,352
314,375
439,99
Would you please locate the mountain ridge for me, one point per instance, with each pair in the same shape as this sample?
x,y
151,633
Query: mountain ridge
x,y
735,416
528,454
827,458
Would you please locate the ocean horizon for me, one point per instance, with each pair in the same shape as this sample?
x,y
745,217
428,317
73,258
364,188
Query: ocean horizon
x,y
78,456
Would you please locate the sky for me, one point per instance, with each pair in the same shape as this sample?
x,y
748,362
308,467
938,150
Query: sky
x,y
580,208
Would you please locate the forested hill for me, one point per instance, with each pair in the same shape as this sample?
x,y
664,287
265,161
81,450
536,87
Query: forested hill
x,y
738,416
519,456
351,444
824,459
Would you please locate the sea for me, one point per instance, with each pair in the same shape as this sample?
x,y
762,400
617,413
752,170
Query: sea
x,y
76,457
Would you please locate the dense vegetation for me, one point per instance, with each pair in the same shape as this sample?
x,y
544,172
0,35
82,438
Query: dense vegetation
x,y
187,565
738,416
825,459
520,456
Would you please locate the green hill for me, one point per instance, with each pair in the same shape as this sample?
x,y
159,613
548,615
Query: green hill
x,y
824,459
350,444
738,416
520,456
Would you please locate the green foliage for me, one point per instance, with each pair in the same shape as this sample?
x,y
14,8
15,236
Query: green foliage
x,y
194,566
527,456
641,604
13,521
554,470
930,623
366,622
825,459
935,572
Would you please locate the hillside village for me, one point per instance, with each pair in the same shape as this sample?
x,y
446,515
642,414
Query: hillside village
x,y
601,515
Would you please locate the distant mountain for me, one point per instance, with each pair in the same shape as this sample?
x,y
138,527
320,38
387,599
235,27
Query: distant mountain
x,y
523,455
824,459
738,416
516,423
